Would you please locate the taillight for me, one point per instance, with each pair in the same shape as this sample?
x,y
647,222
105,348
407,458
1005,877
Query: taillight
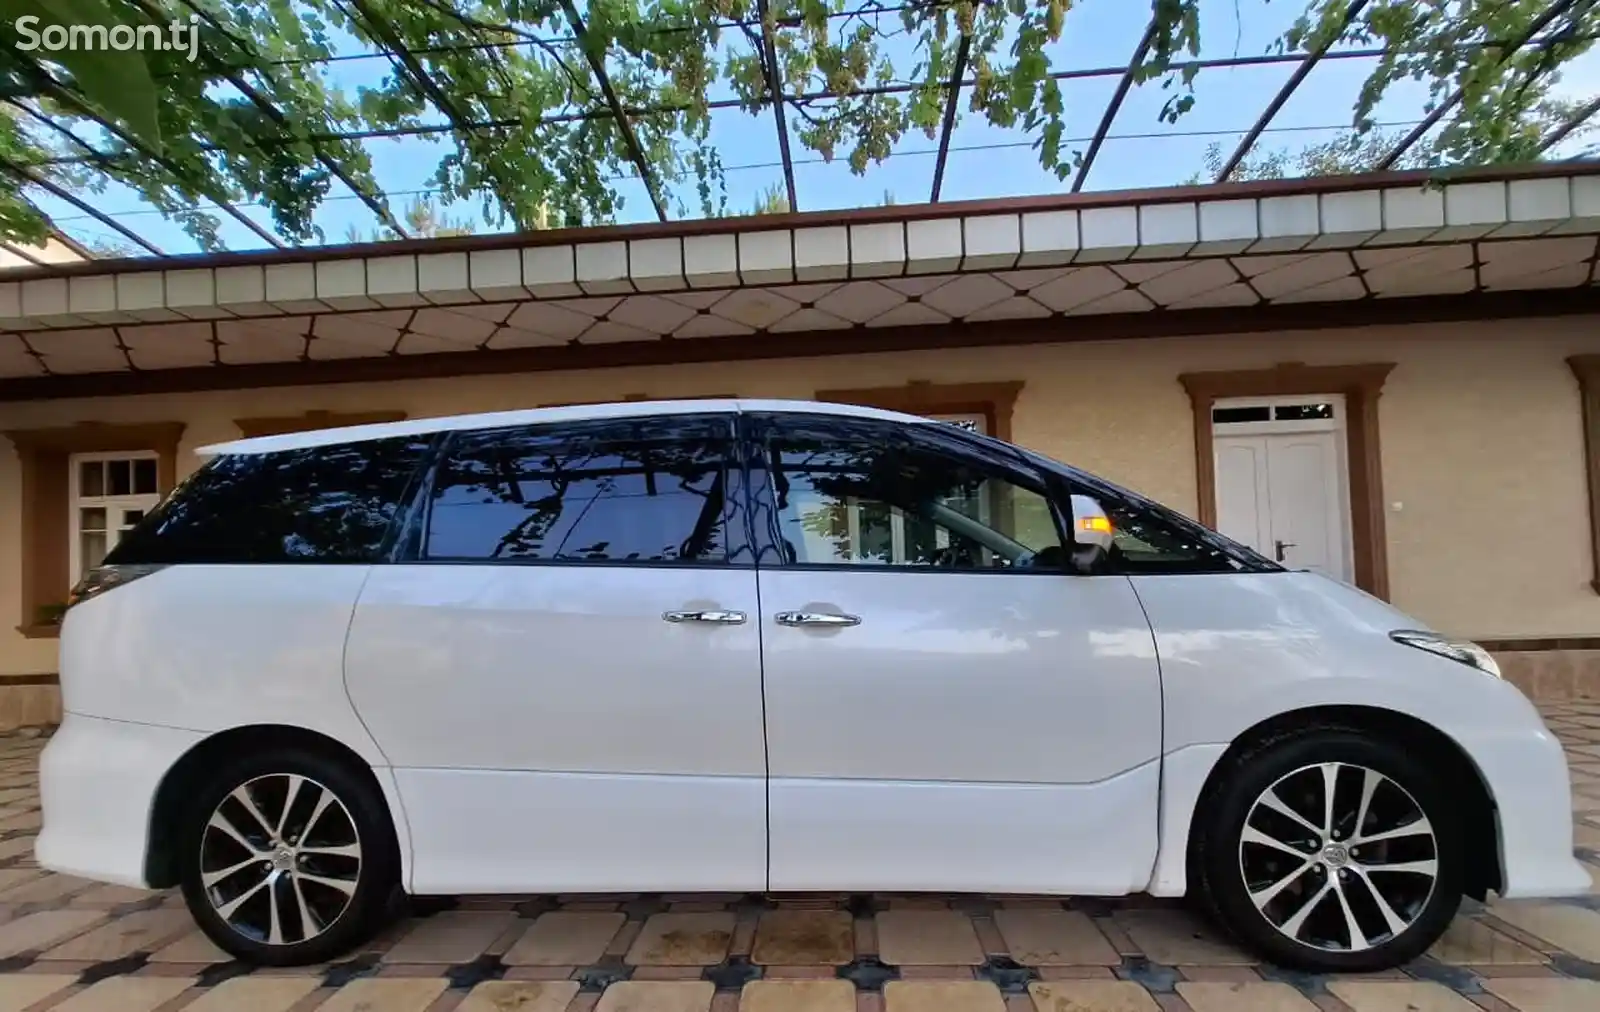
x,y
98,581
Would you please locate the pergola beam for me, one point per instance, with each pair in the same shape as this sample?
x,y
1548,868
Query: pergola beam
x,y
624,125
54,89
51,188
1113,106
1307,65
1454,98
375,205
1576,120
768,52
951,102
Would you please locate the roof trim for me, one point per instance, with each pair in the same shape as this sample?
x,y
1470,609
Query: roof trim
x,y
858,216
544,416
1225,320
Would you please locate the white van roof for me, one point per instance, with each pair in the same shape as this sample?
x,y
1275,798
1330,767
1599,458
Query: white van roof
x,y
540,416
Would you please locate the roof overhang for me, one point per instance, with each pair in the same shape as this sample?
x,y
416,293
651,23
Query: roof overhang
x,y
1385,248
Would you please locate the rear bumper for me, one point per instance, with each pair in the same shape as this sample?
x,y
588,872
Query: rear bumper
x,y
1527,775
97,784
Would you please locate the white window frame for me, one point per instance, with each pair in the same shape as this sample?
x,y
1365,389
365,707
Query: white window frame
x,y
77,502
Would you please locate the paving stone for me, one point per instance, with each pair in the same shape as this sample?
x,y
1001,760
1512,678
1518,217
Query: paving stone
x,y
1091,996
927,938
112,896
1054,938
22,845
22,820
450,937
1546,995
683,939
1174,937
1209,996
805,937
798,996
41,930
47,889
1467,942
254,994
126,994
1571,928
19,990
656,996
942,996
194,947
10,877
1399,996
386,994
565,938
519,996
145,931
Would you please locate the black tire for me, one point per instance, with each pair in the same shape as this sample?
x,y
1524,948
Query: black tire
x,y
1220,856
342,921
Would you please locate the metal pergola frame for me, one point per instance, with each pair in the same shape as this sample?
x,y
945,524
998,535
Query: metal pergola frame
x,y
475,131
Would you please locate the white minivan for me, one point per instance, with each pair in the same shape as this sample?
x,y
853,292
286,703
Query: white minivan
x,y
764,646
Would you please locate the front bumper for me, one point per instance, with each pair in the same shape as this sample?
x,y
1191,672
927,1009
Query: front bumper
x,y
97,784
1527,775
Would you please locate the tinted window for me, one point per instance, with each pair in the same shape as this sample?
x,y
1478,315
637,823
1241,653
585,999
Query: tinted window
x,y
637,491
852,499
321,504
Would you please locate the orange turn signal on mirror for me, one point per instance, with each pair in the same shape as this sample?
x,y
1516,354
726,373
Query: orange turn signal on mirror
x,y
1095,525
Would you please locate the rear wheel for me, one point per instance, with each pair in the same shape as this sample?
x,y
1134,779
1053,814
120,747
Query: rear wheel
x,y
288,858
1330,850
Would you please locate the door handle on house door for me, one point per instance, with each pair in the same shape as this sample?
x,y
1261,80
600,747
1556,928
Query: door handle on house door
x,y
816,618
714,617
1280,546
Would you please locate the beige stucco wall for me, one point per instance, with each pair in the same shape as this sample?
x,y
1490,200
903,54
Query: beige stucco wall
x,y
1481,437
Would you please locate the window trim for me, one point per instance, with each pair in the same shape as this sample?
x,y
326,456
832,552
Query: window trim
x,y
43,488
995,460
411,543
76,502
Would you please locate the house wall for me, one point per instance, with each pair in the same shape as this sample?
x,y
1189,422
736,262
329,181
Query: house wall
x,y
1481,440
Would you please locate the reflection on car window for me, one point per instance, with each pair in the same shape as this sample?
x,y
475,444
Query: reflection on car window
x,y
848,501
319,504
613,493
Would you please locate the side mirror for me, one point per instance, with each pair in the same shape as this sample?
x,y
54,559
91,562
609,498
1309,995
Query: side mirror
x,y
1091,535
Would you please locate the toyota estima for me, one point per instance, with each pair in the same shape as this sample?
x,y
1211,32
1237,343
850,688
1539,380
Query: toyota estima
x,y
763,646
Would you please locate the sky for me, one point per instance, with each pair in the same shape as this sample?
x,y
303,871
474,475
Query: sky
x,y
984,161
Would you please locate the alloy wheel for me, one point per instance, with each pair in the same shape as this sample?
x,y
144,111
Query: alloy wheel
x,y
1338,857
280,859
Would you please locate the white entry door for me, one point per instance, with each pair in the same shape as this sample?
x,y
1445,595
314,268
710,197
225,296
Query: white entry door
x,y
1280,467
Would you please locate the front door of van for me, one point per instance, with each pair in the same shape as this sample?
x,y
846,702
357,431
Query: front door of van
x,y
567,677
946,707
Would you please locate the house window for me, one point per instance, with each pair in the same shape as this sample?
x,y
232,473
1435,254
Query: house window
x,y
972,423
110,494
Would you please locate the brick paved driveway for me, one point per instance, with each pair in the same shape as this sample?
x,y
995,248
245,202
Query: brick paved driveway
x,y
73,946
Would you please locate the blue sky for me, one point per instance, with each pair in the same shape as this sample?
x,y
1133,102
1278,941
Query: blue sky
x,y
984,161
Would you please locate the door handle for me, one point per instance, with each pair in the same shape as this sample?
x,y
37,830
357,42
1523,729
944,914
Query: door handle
x,y
713,617
816,618
1280,546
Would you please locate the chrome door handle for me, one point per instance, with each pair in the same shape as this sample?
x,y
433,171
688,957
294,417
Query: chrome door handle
x,y
800,618
1280,546
714,617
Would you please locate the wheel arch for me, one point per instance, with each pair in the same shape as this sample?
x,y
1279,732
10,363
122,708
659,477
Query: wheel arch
x,y
1485,864
189,772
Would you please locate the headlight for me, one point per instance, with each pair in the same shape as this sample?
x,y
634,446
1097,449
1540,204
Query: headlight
x,y
1463,651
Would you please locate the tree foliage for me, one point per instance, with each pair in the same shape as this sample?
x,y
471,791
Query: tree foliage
x,y
510,90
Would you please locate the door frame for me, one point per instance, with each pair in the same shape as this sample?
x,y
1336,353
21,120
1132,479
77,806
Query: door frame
x,y
1361,384
1338,425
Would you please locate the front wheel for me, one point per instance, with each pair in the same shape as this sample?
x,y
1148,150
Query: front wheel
x,y
1330,850
288,858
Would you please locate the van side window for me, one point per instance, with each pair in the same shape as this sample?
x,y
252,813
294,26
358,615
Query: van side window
x,y
857,498
328,504
650,490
